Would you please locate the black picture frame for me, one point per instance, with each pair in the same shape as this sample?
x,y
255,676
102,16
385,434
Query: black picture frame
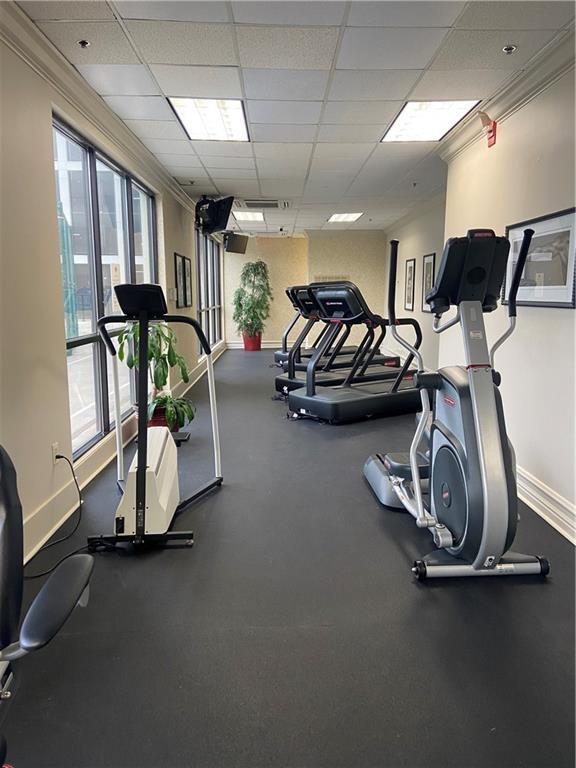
x,y
409,284
179,281
514,233
188,288
428,276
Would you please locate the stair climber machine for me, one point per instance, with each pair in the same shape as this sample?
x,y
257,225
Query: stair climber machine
x,y
463,487
151,497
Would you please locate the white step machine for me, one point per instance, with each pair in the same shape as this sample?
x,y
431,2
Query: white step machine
x,y
151,496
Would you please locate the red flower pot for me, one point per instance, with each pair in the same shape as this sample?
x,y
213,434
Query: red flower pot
x,y
252,343
159,419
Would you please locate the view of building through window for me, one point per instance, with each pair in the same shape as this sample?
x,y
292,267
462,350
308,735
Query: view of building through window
x,y
98,250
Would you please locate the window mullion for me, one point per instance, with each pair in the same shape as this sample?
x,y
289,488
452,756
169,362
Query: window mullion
x,y
131,245
100,366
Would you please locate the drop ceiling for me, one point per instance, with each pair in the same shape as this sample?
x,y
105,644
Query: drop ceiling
x,y
320,81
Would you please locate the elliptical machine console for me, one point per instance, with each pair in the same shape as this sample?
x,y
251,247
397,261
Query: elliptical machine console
x,y
462,486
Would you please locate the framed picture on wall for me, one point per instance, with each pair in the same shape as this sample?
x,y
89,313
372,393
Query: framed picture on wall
x,y
428,274
188,281
409,277
549,277
180,284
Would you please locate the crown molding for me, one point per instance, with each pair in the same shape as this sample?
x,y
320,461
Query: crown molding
x,y
24,39
554,63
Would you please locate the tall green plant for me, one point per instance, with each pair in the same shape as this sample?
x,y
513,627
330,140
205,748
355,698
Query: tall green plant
x,y
252,298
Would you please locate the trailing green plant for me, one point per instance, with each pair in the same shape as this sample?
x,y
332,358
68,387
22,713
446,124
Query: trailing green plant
x,y
177,410
252,298
162,356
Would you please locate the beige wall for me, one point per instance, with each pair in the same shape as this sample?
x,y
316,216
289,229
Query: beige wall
x,y
421,234
529,173
286,258
361,257
34,410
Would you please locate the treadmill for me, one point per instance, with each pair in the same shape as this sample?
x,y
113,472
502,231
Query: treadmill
x,y
366,364
343,303
335,356
298,296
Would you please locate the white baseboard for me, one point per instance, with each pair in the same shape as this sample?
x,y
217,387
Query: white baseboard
x,y
554,508
239,344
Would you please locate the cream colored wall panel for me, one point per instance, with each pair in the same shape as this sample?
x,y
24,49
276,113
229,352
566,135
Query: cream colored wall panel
x,y
287,263
529,173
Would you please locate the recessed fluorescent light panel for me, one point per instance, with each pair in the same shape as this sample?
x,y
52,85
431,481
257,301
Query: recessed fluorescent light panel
x,y
248,215
342,218
427,120
211,119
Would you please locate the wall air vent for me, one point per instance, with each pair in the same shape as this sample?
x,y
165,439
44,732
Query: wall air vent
x,y
262,205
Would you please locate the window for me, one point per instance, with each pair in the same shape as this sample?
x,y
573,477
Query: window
x,y
106,231
209,290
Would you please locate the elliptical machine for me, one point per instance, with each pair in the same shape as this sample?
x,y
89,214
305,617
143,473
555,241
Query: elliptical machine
x,y
468,470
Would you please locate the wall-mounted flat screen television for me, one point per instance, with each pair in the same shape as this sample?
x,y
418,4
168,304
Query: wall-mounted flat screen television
x,y
235,243
212,215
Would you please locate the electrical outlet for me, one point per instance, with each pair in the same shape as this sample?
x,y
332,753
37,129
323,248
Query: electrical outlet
x,y
55,452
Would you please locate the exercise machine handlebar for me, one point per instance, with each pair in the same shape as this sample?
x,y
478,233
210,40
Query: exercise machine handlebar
x,y
415,354
514,285
108,319
392,281
520,264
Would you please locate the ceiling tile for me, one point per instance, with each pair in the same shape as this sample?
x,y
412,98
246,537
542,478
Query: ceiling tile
x,y
156,129
347,165
287,48
291,13
483,50
196,190
322,195
380,48
183,42
186,171
170,147
343,150
67,11
275,133
459,84
198,82
174,159
166,10
108,43
379,84
361,112
119,79
228,162
287,151
282,188
284,112
239,187
516,15
304,84
344,133
223,148
140,107
281,168
404,14
232,173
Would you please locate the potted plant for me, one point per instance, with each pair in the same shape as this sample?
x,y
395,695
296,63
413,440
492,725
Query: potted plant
x,y
252,303
163,409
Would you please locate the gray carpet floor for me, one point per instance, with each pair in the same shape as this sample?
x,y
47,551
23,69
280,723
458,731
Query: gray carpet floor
x,y
292,634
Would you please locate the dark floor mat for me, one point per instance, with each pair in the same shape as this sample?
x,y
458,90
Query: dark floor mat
x,y
293,634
